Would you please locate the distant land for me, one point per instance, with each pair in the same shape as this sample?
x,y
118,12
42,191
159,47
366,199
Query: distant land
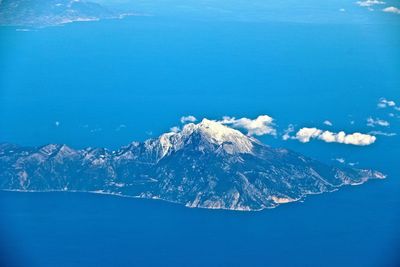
x,y
204,165
41,13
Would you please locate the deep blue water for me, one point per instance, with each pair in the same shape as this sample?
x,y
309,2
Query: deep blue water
x,y
357,226
146,72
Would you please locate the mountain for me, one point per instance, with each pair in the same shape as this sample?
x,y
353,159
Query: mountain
x,y
205,165
52,12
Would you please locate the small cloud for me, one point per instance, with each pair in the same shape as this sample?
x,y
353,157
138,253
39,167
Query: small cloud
x,y
344,161
91,129
342,10
328,123
57,123
352,122
287,132
186,119
391,9
120,127
96,130
304,135
341,160
371,122
382,133
262,125
175,129
150,133
369,3
384,103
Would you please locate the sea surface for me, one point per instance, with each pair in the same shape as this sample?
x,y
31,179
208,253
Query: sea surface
x,y
108,83
357,226
111,82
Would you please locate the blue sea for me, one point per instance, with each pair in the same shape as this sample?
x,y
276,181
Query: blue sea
x,y
357,226
108,83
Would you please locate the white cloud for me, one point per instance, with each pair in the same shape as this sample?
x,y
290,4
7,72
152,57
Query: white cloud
x,y
189,118
329,123
341,160
120,127
262,125
371,122
344,161
382,133
57,123
369,3
342,10
96,130
287,132
175,129
384,103
392,9
304,135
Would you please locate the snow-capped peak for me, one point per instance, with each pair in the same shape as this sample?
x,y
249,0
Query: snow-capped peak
x,y
211,132
217,133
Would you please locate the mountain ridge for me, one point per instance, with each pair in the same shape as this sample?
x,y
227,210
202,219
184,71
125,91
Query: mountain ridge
x,y
205,165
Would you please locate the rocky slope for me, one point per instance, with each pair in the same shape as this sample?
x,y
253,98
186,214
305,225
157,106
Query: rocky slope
x,y
205,165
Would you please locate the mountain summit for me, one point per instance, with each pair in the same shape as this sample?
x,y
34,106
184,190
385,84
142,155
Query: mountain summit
x,y
207,135
205,165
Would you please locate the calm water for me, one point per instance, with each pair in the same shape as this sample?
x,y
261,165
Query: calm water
x,y
357,226
146,72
